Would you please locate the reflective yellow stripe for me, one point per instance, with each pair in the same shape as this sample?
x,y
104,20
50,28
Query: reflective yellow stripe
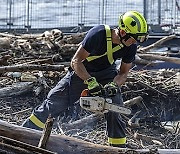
x,y
117,140
36,121
110,51
90,58
109,44
116,48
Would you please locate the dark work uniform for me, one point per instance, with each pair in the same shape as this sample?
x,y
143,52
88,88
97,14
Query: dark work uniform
x,y
100,64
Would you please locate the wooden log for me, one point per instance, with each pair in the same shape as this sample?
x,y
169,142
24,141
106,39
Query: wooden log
x,y
134,121
9,35
46,132
73,39
147,138
158,57
135,100
156,44
82,123
69,49
16,89
40,61
20,147
19,68
141,61
57,143
66,145
4,43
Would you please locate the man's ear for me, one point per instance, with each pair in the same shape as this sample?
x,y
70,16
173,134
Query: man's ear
x,y
122,33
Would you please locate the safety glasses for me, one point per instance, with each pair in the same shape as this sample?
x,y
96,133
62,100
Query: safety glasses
x,y
139,37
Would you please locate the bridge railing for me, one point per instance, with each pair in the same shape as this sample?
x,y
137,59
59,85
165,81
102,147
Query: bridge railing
x,y
45,14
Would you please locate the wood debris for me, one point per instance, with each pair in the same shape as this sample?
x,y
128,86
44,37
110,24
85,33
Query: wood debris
x,y
31,64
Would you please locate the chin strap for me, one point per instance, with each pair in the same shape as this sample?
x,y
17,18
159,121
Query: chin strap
x,y
125,39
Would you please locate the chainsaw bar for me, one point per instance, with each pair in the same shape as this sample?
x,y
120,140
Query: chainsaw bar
x,y
117,108
100,104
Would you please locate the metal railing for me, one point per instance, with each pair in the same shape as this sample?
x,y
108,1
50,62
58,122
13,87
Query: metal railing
x,y
163,13
38,14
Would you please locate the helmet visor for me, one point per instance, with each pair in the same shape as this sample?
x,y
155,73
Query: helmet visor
x,y
139,37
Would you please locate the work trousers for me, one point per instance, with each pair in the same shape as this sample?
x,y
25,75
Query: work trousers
x,y
67,92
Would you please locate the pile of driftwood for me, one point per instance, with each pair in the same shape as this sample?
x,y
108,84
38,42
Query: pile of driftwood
x,y
30,65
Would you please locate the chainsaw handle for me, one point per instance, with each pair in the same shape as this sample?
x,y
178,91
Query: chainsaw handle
x,y
86,92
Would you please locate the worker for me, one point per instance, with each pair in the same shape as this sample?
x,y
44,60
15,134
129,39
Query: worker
x,y
93,67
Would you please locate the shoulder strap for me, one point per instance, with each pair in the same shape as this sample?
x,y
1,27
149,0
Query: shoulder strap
x,y
110,50
109,44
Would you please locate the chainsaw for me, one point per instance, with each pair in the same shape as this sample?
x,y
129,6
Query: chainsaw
x,y
99,104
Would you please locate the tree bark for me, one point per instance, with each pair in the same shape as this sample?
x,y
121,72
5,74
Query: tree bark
x,y
57,143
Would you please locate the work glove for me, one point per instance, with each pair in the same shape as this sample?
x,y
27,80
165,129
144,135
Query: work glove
x,y
111,89
95,89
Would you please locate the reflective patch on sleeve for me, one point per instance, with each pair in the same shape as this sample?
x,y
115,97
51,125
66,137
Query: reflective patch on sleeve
x,y
117,140
36,121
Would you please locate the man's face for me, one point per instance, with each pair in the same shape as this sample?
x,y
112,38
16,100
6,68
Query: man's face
x,y
129,41
126,39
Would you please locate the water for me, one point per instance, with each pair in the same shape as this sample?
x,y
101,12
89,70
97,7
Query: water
x,y
61,13
65,13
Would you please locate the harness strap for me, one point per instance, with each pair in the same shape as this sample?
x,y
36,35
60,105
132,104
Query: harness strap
x,y
109,44
110,50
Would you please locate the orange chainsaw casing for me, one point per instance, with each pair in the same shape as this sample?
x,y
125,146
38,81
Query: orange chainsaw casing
x,y
85,92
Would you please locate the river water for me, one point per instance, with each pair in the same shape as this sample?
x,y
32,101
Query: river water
x,y
65,13
61,13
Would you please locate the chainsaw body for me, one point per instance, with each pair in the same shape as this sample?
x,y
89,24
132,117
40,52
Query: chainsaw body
x,y
101,105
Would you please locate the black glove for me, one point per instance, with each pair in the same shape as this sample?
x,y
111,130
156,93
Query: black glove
x,y
111,89
95,89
